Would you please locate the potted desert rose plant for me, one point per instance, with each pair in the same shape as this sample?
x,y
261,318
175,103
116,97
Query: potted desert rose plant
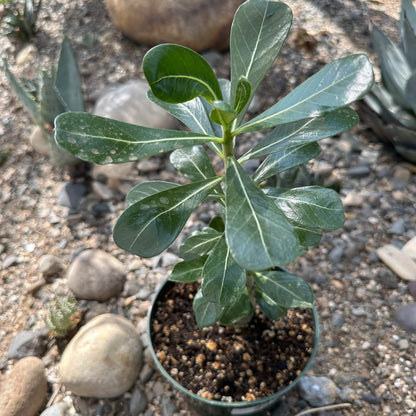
x,y
232,275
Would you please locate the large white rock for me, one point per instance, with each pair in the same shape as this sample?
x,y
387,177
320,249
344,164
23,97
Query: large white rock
x,y
103,359
198,24
23,391
96,275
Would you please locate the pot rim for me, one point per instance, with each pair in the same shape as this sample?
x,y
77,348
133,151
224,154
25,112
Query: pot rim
x,y
230,405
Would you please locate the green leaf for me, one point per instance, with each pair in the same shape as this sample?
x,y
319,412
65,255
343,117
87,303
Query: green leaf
x,y
308,237
51,102
26,99
206,313
222,113
217,223
312,206
200,243
194,114
177,74
270,308
408,31
188,271
336,85
242,94
411,91
102,140
193,162
68,79
145,189
258,233
302,132
288,158
284,289
223,279
395,70
258,31
238,310
151,225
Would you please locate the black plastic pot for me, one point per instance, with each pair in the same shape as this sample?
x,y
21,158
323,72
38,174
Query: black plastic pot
x,y
207,407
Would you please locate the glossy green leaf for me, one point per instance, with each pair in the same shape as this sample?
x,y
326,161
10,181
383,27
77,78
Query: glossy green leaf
x,y
206,313
194,114
284,289
308,237
302,132
238,310
223,279
242,94
26,99
151,225
258,233
312,206
193,162
336,85
199,243
411,91
408,31
51,102
270,308
395,70
280,161
222,113
103,140
177,74
217,223
145,189
188,271
258,31
68,79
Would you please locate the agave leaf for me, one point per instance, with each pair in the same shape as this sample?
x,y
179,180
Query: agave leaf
x,y
407,28
395,70
411,92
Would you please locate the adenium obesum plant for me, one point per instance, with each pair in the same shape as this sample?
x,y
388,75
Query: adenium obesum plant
x,y
238,257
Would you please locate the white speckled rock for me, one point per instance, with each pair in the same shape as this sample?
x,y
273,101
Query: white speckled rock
x,y
23,391
96,275
103,359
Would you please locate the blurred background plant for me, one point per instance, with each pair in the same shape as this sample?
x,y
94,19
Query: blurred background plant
x,y
391,104
63,317
19,21
49,94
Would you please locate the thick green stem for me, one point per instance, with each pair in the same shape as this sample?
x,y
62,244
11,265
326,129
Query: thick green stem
x,y
227,145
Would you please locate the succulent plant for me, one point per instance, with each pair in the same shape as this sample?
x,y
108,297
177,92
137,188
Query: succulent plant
x,y
394,99
51,93
21,25
63,317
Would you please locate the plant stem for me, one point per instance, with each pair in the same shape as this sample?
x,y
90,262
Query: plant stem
x,y
227,145
318,409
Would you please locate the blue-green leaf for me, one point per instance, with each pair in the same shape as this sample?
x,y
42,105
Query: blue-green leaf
x,y
102,140
280,161
193,162
302,132
206,313
242,94
151,225
284,289
269,307
238,310
222,113
258,233
188,271
177,74
312,206
223,279
145,189
336,85
258,31
200,243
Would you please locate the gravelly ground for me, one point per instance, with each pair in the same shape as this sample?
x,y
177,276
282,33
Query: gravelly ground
x,y
361,349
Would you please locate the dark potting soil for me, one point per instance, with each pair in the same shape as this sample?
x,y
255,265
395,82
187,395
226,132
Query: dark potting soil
x,y
229,364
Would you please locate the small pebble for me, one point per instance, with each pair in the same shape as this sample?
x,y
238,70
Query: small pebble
x,y
370,398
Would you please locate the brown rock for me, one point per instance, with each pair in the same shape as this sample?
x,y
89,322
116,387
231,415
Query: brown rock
x,y
398,261
24,389
197,24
